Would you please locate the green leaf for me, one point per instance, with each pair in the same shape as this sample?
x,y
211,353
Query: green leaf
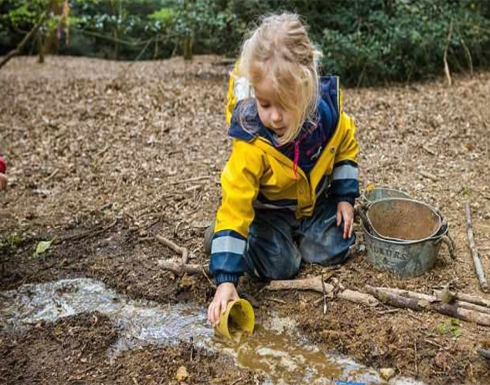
x,y
456,332
42,247
441,329
14,239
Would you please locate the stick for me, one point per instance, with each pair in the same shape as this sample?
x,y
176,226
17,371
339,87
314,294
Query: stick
x,y
178,249
315,284
276,300
195,179
419,305
357,297
17,50
476,259
431,299
428,175
207,277
180,269
469,298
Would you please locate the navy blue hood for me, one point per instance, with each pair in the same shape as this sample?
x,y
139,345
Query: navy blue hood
x,y
246,124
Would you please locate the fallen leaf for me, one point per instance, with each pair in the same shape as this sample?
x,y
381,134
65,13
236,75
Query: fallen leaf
x,y
182,374
41,248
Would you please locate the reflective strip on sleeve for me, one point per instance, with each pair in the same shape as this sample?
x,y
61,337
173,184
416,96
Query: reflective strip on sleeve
x,y
228,244
346,171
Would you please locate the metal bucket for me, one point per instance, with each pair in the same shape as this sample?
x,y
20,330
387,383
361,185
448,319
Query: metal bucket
x,y
407,258
378,193
400,219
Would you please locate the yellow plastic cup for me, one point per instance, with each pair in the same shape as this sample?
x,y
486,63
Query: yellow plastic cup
x,y
238,317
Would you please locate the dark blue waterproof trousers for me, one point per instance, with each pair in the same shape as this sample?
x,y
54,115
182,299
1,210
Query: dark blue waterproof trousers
x,y
278,242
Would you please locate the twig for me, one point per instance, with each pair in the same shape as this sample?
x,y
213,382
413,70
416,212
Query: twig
x,y
389,311
446,66
207,277
178,249
428,175
276,300
180,269
236,381
324,297
197,178
17,50
52,174
428,150
433,343
92,233
476,259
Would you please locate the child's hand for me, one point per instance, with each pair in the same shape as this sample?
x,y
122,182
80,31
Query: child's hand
x,y
345,212
3,181
226,292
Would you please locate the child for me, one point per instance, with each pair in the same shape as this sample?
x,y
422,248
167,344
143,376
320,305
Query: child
x,y
3,178
289,186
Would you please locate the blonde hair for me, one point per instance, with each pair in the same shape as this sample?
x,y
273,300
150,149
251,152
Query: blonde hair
x,y
281,49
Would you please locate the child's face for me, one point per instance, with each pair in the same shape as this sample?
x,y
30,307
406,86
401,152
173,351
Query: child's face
x,y
271,114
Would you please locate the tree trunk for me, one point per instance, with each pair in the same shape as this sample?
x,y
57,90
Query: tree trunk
x,y
41,47
188,48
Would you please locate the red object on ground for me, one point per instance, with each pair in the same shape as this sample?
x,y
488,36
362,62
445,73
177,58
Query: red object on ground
x,y
3,167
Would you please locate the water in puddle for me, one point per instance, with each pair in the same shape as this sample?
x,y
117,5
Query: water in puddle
x,y
276,348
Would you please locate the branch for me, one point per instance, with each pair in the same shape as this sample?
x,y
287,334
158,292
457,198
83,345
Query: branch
x,y
446,66
181,269
432,299
18,50
178,249
315,284
469,298
476,259
454,311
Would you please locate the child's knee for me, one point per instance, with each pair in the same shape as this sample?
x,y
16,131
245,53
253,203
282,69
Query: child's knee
x,y
331,249
268,260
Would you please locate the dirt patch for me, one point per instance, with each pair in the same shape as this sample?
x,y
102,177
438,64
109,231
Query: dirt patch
x,y
103,156
74,351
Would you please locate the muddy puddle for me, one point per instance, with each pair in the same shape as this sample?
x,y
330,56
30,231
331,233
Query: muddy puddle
x,y
276,348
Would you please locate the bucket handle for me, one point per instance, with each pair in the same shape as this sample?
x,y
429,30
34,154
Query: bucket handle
x,y
449,243
361,211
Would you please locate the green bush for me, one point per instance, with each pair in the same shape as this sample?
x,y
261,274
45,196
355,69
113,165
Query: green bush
x,y
408,42
365,42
